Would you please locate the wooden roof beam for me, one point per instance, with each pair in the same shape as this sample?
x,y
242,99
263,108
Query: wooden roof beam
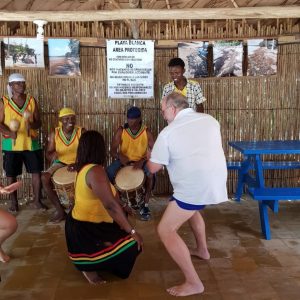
x,y
272,12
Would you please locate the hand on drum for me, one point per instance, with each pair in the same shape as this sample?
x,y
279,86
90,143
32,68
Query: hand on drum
x,y
71,168
138,164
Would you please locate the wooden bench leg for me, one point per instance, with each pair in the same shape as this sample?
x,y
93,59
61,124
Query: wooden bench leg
x,y
264,219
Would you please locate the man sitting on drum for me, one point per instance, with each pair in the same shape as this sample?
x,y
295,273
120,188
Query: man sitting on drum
x,y
129,147
61,151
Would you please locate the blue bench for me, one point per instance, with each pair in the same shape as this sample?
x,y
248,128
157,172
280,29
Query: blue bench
x,y
269,197
267,165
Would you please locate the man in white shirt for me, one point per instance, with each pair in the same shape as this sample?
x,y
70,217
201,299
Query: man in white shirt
x,y
191,149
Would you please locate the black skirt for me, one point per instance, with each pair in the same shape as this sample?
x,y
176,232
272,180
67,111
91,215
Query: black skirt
x,y
100,247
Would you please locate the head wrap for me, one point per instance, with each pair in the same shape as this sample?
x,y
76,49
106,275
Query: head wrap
x,y
133,112
13,78
66,111
16,77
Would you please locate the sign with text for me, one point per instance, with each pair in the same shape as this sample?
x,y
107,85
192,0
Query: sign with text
x,y
130,68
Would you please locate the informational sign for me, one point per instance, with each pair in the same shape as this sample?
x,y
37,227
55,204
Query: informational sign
x,y
130,68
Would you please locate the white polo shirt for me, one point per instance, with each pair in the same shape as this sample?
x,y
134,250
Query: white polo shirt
x,y
191,149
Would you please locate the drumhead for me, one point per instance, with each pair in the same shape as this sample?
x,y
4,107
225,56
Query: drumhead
x,y
63,176
128,179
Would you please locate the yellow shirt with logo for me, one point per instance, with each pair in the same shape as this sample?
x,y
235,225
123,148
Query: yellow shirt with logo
x,y
24,141
88,207
67,149
134,146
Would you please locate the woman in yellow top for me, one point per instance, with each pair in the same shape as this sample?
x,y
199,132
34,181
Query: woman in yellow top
x,y
98,234
61,151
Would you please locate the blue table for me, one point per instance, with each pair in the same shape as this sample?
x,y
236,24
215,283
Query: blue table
x,y
267,197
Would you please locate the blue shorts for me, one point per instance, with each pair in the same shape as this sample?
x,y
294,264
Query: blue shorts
x,y
187,206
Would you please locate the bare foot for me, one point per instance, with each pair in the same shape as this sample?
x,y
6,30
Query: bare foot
x,y
93,278
202,254
186,289
3,257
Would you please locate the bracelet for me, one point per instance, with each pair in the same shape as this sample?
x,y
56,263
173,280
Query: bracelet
x,y
132,232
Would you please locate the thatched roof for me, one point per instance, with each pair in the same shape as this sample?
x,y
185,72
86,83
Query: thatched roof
x,y
104,10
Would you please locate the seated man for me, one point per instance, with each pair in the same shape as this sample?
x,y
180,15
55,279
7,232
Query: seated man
x,y
129,146
61,151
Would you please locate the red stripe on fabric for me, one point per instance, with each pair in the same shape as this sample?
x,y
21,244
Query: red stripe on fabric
x,y
62,140
102,251
14,109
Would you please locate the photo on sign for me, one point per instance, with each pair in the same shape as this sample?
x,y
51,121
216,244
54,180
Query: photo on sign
x,y
194,56
262,57
228,58
64,60
23,53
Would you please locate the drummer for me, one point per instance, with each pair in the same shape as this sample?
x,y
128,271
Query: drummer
x,y
129,147
61,151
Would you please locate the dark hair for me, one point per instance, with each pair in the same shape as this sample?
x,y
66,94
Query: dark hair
x,y
133,112
91,149
176,61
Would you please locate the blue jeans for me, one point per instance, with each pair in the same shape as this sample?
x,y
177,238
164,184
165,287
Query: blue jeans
x,y
112,170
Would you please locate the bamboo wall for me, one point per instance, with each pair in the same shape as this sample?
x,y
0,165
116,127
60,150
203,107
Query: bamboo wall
x,y
248,108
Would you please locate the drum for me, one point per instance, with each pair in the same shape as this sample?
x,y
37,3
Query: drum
x,y
63,182
130,183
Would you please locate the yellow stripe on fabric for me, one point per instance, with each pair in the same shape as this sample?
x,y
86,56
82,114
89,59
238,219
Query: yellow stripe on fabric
x,y
106,254
105,258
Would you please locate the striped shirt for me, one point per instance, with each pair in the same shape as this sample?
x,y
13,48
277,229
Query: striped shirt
x,y
192,91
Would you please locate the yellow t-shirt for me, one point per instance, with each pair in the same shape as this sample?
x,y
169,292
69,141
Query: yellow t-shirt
x,y
134,146
88,207
24,141
67,149
183,92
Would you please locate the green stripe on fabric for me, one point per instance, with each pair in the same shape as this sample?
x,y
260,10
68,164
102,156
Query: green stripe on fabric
x,y
35,145
15,106
65,140
135,135
7,144
106,258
